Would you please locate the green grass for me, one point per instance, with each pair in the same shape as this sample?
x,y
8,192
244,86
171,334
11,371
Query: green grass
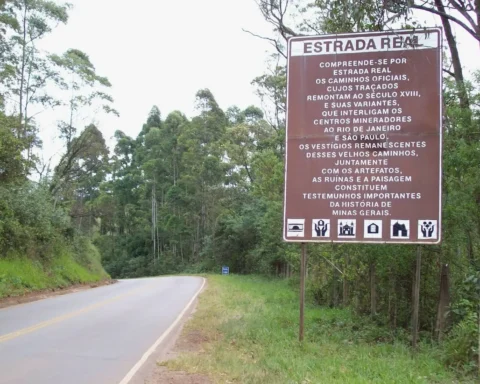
x,y
19,274
251,328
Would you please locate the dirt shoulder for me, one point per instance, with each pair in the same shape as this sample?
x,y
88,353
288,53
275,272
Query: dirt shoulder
x,y
46,293
157,373
183,339
189,342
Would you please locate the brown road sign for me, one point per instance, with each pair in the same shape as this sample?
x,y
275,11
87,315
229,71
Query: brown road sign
x,y
364,138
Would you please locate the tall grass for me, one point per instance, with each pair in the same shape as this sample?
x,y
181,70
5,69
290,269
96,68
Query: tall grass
x,y
251,327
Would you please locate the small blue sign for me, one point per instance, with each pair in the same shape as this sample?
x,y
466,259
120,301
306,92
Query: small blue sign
x,y
225,270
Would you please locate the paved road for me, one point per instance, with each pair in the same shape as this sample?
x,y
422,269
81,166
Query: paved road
x,y
89,337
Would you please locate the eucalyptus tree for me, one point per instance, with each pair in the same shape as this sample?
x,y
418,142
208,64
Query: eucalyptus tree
x,y
26,71
83,86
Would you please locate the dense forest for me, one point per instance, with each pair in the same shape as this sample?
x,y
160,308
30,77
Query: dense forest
x,y
189,195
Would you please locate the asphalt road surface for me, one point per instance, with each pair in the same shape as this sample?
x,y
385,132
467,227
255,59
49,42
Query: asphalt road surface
x,y
93,336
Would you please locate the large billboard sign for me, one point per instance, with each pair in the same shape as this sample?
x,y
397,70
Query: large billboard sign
x,y
364,138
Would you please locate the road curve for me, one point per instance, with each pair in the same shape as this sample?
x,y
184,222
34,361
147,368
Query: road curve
x,y
90,337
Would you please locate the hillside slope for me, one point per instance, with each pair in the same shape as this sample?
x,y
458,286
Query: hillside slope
x,y
65,266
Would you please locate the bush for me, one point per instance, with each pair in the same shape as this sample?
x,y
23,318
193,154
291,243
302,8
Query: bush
x,y
29,222
461,345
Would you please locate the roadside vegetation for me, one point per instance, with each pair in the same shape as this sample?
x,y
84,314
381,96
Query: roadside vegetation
x,y
190,194
20,275
46,223
250,328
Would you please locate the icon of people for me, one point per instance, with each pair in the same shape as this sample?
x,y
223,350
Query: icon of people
x,y
427,228
321,228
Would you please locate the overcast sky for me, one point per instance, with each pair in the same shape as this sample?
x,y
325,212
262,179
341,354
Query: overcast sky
x,y
159,52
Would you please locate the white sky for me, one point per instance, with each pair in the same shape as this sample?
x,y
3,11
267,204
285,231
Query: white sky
x,y
161,52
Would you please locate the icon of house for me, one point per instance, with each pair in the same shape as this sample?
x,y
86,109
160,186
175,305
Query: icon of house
x,y
399,230
373,228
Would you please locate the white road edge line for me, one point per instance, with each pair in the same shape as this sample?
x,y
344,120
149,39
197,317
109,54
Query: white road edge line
x,y
152,349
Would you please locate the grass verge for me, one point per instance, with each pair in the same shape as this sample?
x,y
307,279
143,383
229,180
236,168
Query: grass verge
x,y
249,326
20,275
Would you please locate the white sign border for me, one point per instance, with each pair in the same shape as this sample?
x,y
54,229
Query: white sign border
x,y
437,29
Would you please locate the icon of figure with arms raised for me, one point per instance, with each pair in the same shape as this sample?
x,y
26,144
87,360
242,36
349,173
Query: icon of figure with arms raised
x,y
321,228
427,229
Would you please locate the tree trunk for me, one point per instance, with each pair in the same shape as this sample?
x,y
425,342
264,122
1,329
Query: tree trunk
x,y
22,69
373,293
416,299
174,169
25,108
443,302
156,228
181,249
393,302
477,10
345,283
457,66
470,254
197,240
154,224
334,288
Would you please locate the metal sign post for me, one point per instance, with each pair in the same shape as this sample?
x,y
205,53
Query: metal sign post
x,y
303,265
